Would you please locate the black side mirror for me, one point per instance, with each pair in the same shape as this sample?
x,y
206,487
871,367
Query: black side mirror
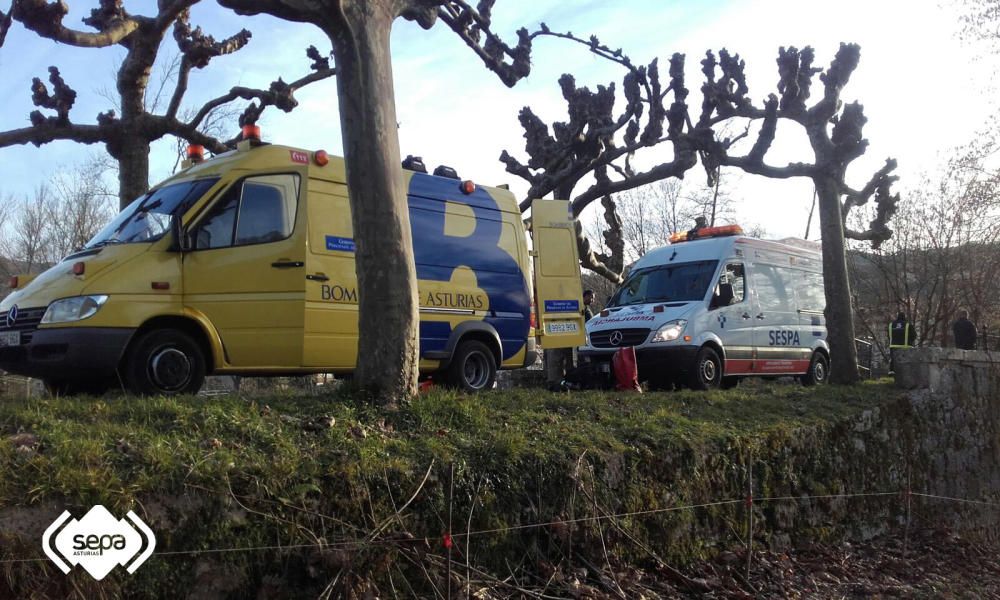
x,y
179,241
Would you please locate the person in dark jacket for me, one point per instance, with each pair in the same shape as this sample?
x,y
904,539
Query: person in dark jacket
x,y
965,331
588,299
901,335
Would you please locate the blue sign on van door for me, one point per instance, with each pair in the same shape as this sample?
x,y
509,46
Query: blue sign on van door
x,y
438,255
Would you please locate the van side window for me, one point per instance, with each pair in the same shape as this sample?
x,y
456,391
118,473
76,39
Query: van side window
x,y
734,273
216,230
267,209
774,288
731,288
810,291
256,210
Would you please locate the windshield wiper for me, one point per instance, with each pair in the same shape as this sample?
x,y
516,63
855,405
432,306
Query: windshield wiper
x,y
107,242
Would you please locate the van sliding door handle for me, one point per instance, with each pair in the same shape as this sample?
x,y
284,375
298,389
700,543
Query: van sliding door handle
x,y
761,316
288,264
317,277
746,315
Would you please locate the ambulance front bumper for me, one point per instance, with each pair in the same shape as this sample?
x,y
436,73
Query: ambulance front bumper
x,y
655,363
67,353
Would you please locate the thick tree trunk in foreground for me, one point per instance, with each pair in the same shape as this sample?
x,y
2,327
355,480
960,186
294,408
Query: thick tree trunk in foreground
x,y
837,285
133,170
387,281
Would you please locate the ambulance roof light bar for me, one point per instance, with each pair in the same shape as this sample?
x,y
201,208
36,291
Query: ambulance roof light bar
x,y
706,232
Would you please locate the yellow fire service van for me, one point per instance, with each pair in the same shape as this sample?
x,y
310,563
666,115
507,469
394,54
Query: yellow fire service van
x,y
244,264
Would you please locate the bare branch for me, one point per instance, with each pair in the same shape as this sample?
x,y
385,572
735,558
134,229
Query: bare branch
x,y
280,94
5,21
45,19
472,25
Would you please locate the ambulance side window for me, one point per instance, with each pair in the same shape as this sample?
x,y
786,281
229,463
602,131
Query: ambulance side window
x,y
256,210
731,288
773,290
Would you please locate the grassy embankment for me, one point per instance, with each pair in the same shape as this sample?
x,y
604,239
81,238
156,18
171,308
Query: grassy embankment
x,y
233,472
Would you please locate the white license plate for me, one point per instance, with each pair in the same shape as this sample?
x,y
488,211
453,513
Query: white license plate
x,y
562,327
10,338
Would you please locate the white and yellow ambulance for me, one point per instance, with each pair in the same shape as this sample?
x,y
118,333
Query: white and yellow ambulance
x,y
244,264
714,307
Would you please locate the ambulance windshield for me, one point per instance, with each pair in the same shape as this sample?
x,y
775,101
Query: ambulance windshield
x,y
148,218
681,282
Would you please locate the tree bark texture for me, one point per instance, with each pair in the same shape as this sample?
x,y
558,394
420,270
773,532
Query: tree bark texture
x,y
133,169
837,285
388,353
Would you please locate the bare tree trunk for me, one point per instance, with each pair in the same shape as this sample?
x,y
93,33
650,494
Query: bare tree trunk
x,y
387,280
133,169
837,284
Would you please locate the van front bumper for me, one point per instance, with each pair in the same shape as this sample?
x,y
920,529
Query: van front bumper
x,y
657,364
68,353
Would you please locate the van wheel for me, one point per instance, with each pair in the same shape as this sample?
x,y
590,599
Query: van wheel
x,y
707,374
164,362
473,367
819,370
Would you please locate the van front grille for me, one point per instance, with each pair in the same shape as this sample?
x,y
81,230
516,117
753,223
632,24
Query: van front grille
x,y
629,337
27,322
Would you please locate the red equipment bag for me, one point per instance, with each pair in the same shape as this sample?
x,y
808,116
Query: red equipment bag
x,y
626,372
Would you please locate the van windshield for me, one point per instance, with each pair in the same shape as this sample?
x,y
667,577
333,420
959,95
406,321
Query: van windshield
x,y
147,219
681,282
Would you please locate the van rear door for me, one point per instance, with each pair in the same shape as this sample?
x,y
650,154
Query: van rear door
x,y
558,289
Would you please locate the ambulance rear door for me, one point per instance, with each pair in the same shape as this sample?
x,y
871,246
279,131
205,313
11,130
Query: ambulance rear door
x,y
558,289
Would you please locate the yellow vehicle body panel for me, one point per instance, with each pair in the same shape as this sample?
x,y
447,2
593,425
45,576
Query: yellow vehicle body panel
x,y
290,305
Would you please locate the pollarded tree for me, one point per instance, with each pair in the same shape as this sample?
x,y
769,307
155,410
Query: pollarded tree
x,y
128,135
835,134
387,283
595,141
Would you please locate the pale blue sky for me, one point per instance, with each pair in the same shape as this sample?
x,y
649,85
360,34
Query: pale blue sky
x,y
913,72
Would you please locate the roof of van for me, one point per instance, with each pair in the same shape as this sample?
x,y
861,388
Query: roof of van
x,y
716,248
271,156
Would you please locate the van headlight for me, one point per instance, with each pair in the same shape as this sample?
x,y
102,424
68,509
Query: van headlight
x,y
669,331
76,308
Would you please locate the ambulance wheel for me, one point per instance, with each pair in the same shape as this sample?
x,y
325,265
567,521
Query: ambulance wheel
x,y
164,362
707,373
473,368
729,383
819,370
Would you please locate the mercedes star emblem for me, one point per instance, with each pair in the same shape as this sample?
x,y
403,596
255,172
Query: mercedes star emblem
x,y
12,316
616,338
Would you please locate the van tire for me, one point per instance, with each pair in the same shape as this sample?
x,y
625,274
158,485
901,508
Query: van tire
x,y
707,371
819,370
473,367
164,362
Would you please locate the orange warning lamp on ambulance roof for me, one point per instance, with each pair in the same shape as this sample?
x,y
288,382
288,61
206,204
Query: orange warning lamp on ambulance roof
x,y
706,232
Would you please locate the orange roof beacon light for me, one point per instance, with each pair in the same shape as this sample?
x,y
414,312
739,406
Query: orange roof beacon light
x,y
79,268
706,232
321,158
468,186
195,153
251,132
